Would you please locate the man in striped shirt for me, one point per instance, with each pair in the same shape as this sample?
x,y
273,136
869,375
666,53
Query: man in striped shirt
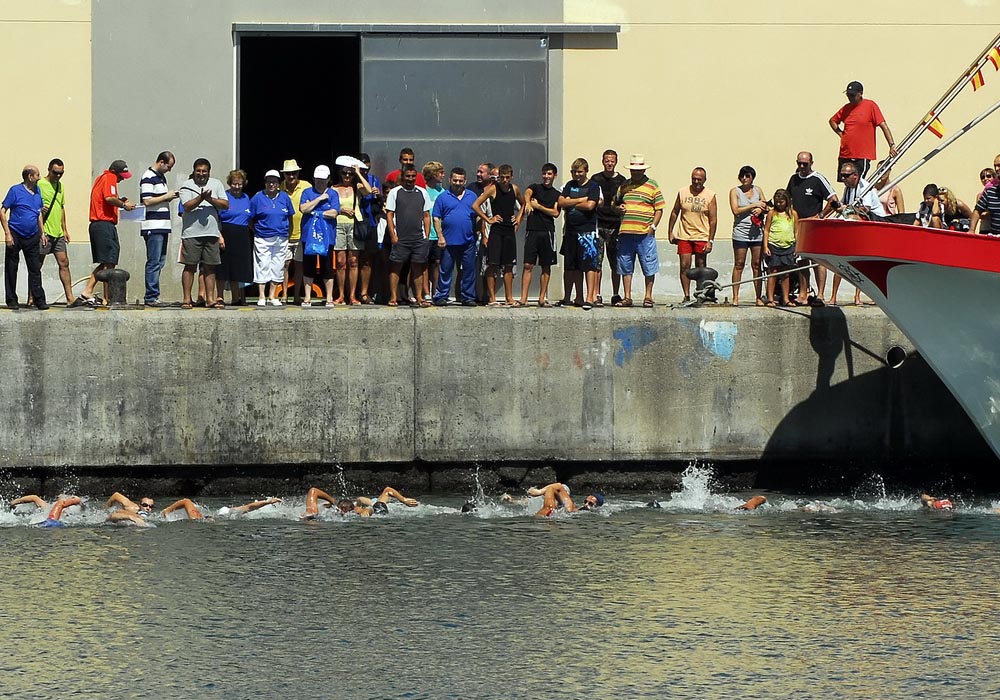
x,y
641,203
988,204
155,227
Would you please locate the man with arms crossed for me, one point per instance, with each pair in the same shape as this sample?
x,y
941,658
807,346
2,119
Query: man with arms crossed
x,y
609,221
506,207
541,209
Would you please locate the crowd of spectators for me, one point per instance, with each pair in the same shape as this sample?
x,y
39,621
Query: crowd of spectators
x,y
428,236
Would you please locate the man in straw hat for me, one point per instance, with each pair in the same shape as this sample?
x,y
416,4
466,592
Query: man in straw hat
x,y
641,204
294,187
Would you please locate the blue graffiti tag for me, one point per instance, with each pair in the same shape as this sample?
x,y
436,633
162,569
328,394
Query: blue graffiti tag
x,y
632,338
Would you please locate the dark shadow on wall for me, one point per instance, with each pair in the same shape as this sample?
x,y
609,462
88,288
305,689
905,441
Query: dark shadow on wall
x,y
902,422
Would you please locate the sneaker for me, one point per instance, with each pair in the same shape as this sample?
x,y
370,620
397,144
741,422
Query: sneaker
x,y
13,306
42,306
469,302
153,302
276,302
262,302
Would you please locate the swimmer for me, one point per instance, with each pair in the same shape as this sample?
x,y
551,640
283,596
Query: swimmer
x,y
247,507
935,503
365,507
818,508
53,518
753,504
129,511
194,513
556,496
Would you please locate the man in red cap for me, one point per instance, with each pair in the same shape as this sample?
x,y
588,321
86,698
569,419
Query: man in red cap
x,y
105,201
855,124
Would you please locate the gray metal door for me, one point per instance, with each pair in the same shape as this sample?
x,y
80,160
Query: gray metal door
x,y
458,99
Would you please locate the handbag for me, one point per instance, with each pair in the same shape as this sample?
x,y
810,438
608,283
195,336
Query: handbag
x,y
362,231
317,236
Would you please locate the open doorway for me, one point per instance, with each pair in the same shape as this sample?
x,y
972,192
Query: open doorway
x,y
299,97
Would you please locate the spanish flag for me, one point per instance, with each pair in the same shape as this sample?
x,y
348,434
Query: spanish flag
x,y
934,125
977,80
994,56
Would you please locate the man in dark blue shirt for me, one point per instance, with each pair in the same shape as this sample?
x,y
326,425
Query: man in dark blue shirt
x,y
21,219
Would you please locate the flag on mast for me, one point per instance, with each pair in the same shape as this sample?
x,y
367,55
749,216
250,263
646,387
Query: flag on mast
x,y
994,56
977,80
934,125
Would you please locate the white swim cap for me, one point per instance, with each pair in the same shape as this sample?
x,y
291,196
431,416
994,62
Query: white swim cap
x,y
224,510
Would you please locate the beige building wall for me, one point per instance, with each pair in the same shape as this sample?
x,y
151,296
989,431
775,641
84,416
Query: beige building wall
x,y
47,99
723,83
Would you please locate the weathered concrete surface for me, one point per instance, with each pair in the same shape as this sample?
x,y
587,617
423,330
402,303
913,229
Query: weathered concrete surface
x,y
312,389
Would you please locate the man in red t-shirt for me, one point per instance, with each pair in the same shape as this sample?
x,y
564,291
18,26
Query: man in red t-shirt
x,y
406,157
855,124
105,201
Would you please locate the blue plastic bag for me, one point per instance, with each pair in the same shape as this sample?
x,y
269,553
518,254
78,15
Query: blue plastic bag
x,y
317,235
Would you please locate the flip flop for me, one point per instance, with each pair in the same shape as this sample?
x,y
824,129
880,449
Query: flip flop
x,y
187,305
388,303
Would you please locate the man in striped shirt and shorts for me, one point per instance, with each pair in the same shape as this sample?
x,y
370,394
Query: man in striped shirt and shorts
x,y
155,227
641,203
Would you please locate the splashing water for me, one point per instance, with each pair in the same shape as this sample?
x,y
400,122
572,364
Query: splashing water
x,y
697,492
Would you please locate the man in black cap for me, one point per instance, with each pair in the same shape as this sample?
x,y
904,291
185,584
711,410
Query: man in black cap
x,y
855,124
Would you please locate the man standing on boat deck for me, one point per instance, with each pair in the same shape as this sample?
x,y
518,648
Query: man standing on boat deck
x,y
812,195
855,124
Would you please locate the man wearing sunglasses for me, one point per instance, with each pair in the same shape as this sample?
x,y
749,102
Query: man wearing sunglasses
x,y
129,511
812,197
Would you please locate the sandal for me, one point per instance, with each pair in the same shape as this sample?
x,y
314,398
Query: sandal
x,y
544,305
627,302
771,304
424,304
201,303
388,303
647,303
219,304
517,304
365,299
187,305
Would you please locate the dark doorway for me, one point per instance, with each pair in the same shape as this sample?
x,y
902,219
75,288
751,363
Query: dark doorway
x,y
299,97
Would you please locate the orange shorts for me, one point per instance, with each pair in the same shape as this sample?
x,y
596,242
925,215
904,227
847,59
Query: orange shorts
x,y
691,247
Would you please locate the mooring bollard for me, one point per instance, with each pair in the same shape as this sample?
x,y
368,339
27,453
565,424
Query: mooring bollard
x,y
117,280
705,284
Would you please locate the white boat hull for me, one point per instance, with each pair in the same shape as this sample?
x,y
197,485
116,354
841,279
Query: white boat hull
x,y
941,288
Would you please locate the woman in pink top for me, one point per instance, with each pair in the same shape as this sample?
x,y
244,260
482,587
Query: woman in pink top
x,y
892,201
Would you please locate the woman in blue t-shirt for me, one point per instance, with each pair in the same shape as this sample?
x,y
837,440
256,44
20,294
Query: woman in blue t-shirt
x,y
237,257
271,213
319,200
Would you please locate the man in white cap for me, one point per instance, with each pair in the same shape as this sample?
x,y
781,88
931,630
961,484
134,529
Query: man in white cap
x,y
293,187
641,204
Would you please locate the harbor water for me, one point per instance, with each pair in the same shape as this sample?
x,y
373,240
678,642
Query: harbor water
x,y
860,595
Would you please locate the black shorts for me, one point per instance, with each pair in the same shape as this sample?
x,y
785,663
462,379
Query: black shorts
x,y
434,253
410,251
501,249
104,245
609,250
539,248
574,256
319,266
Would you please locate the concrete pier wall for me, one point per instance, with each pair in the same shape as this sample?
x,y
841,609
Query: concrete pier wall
x,y
377,385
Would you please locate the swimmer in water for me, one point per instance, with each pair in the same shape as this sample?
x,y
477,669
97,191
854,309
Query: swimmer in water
x,y
753,503
365,507
935,503
53,518
556,497
129,511
194,513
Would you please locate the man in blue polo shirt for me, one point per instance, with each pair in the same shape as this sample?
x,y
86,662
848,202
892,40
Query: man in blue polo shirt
x,y
454,220
21,218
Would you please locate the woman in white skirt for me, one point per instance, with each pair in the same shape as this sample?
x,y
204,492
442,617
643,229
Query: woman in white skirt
x,y
271,214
